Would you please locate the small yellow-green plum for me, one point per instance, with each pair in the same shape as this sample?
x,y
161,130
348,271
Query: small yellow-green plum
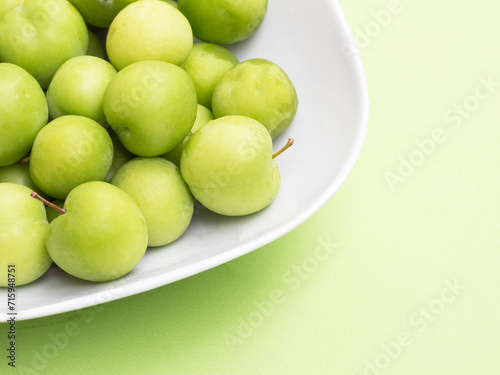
x,y
224,21
96,48
41,35
203,115
259,89
70,151
78,88
23,112
151,105
101,237
163,197
149,30
120,156
19,173
206,65
100,13
229,166
23,232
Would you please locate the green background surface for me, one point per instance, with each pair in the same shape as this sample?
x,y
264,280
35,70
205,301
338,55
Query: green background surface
x,y
412,285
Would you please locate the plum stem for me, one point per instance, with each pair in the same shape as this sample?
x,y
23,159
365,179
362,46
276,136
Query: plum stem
x,y
289,143
25,160
47,203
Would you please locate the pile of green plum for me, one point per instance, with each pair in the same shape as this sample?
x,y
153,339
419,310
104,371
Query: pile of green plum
x,y
102,148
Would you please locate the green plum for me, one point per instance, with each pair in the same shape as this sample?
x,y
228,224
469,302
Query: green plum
x,y
23,112
102,235
206,65
69,151
53,213
165,34
96,48
151,105
78,88
223,21
41,35
258,89
203,115
19,173
163,197
120,156
23,232
100,13
229,166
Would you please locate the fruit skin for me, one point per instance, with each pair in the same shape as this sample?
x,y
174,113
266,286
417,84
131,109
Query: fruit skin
x,y
23,112
259,89
206,65
27,37
78,88
165,34
203,115
8,5
229,168
151,105
19,173
101,237
224,21
69,151
163,197
100,13
23,232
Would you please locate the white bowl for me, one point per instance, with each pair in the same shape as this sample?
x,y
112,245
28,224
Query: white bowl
x,y
311,41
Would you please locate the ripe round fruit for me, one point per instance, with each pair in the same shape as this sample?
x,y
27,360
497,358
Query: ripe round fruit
x,y
206,65
149,30
69,151
229,166
224,21
78,88
258,89
102,235
23,112
41,35
23,232
151,105
163,197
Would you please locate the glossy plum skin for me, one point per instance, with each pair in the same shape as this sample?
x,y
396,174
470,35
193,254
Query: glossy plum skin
x,y
101,237
78,88
151,105
27,37
259,89
229,168
224,21
165,34
69,151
